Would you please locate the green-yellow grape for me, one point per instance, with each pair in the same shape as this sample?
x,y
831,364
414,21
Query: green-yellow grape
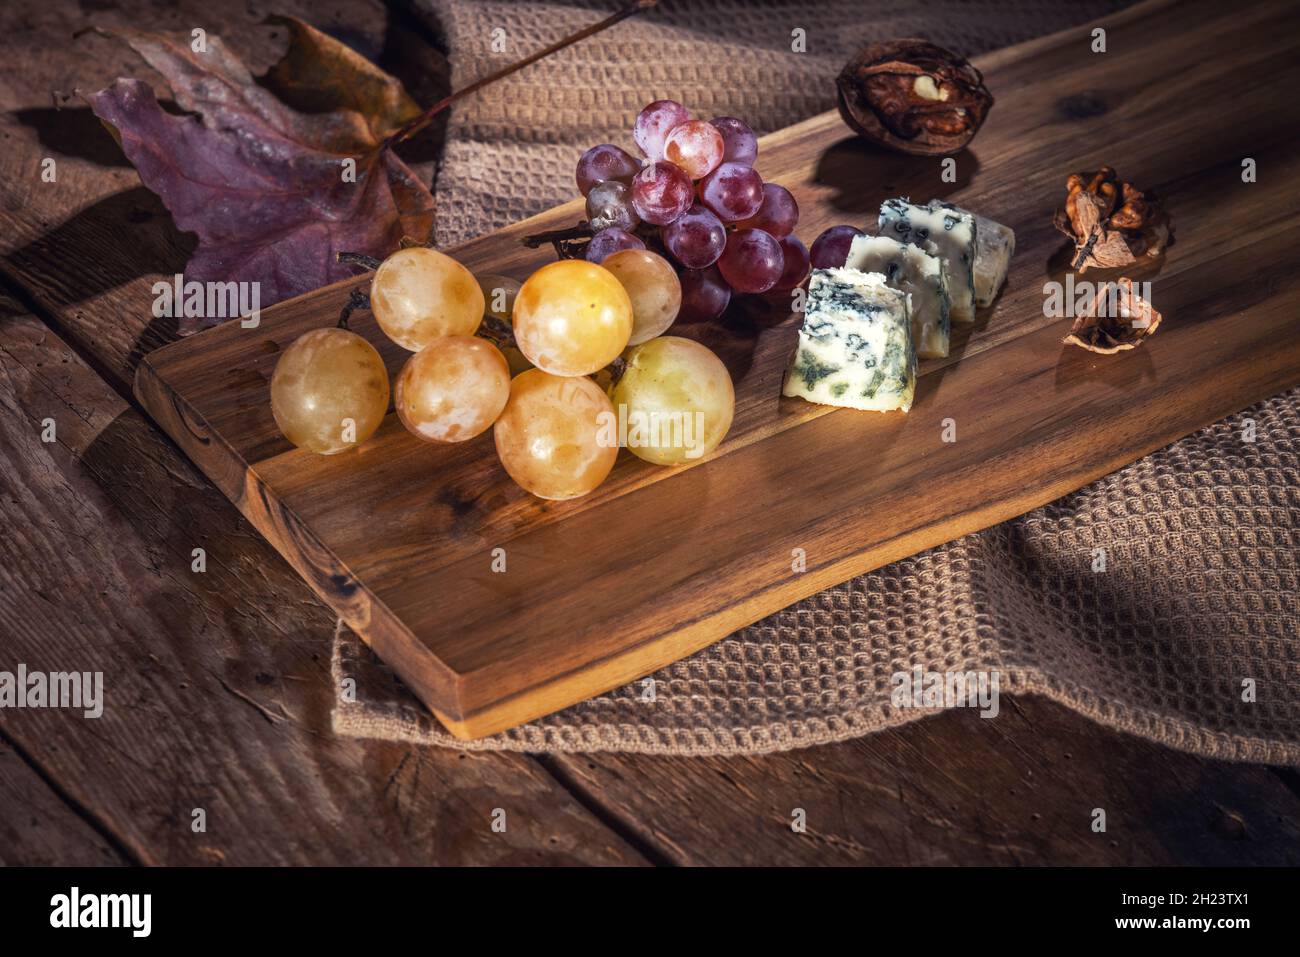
x,y
652,284
676,400
453,389
572,317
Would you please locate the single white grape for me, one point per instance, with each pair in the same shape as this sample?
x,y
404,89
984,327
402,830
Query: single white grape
x,y
572,317
419,294
676,398
453,389
329,391
555,437
652,285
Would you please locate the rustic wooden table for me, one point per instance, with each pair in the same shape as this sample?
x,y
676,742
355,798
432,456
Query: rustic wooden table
x,y
219,683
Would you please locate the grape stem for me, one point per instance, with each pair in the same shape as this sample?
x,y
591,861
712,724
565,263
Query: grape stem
x,y
357,259
497,331
424,119
569,243
616,370
357,299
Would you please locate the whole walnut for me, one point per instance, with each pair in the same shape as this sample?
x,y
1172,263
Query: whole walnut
x,y
914,97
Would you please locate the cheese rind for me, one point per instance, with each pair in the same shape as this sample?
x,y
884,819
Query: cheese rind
x,y
920,274
995,244
953,233
855,346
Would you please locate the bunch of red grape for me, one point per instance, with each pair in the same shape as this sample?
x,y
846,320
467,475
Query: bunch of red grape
x,y
696,196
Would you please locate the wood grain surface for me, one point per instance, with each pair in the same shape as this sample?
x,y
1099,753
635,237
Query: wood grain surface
x,y
81,255
38,828
97,575
657,563
1015,790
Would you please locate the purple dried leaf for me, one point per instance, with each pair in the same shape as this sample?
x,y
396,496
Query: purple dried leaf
x,y
259,183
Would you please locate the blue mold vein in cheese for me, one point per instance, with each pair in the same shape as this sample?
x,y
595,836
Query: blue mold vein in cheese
x,y
920,274
855,347
952,232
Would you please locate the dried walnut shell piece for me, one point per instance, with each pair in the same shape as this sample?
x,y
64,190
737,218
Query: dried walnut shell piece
x,y
1117,319
914,97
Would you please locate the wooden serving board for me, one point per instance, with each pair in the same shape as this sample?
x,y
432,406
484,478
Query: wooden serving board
x,y
399,536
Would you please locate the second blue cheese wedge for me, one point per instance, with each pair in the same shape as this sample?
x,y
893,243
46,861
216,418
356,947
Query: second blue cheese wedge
x,y
855,347
922,276
994,246
952,231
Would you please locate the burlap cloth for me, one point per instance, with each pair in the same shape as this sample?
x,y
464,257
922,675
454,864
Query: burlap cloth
x,y
1202,538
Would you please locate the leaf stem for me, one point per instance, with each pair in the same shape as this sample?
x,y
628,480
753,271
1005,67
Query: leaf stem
x,y
424,119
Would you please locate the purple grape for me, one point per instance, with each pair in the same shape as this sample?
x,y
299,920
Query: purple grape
x,y
654,123
779,213
696,238
831,249
752,261
610,204
605,162
740,145
795,271
661,192
609,241
733,192
705,295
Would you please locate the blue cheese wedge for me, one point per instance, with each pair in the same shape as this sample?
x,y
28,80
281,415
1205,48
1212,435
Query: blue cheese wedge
x,y
953,233
921,275
855,347
994,246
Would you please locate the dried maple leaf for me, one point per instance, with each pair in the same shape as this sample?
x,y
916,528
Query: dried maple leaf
x,y
1117,319
261,175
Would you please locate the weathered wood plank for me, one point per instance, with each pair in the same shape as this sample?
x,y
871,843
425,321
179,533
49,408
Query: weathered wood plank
x,y
954,788
38,828
86,248
217,684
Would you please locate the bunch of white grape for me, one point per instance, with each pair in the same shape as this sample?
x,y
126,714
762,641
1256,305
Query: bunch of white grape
x,y
554,427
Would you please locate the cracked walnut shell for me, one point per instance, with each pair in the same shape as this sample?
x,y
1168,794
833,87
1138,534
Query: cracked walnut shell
x,y
1113,223
914,97
1117,318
